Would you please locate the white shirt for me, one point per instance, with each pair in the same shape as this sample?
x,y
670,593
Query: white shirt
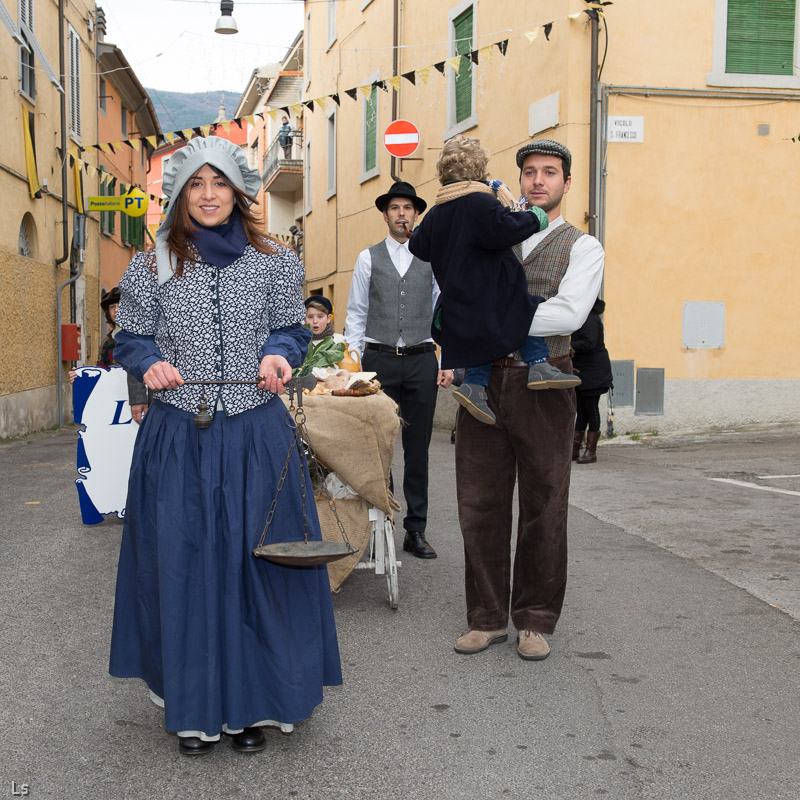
x,y
358,302
567,310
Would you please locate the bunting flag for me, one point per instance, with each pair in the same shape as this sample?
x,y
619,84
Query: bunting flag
x,y
187,133
487,53
152,141
410,77
547,28
454,63
503,46
170,137
320,102
226,125
335,98
424,74
351,93
30,156
106,148
309,104
297,108
205,130
134,143
394,82
273,112
440,66
366,91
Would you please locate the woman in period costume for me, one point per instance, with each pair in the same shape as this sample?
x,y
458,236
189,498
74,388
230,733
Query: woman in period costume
x,y
226,643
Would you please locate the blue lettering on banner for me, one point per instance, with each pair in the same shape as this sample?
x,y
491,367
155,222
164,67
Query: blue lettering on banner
x,y
117,413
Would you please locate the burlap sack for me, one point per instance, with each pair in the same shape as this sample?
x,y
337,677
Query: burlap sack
x,y
355,438
354,515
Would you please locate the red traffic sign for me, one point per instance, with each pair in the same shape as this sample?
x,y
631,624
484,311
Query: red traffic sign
x,y
401,138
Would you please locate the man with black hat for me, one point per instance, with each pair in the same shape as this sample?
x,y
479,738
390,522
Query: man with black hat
x,y
565,266
389,312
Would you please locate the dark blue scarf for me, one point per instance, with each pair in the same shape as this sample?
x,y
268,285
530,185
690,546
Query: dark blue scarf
x,y
222,244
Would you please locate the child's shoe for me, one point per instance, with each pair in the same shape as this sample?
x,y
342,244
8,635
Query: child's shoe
x,y
473,398
544,375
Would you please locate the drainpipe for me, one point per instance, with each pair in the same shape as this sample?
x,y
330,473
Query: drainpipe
x,y
64,205
395,67
594,137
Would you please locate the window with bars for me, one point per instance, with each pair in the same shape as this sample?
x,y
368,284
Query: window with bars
x,y
760,37
74,82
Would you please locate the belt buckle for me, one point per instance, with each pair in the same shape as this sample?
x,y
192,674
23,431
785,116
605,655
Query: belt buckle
x,y
397,350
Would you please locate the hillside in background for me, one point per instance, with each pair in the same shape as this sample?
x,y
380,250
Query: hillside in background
x,y
179,110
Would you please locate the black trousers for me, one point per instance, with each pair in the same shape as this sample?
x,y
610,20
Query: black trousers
x,y
588,412
411,382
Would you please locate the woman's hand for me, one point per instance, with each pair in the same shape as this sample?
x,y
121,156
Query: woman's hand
x,y
162,375
138,410
72,375
268,372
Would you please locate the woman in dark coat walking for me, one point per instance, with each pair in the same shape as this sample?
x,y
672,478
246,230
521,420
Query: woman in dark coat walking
x,y
592,363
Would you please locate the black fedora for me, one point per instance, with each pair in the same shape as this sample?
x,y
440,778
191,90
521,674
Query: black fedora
x,y
401,189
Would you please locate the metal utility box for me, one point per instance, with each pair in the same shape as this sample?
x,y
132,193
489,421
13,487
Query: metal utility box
x,y
70,342
649,391
622,374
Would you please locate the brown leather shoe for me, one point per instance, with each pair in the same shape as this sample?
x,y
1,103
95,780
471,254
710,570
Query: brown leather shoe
x,y
476,641
589,455
532,646
577,443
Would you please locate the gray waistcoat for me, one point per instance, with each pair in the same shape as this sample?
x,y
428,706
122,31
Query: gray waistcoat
x,y
544,267
398,307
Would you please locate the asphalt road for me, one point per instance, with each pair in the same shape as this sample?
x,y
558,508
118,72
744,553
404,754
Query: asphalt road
x,y
674,671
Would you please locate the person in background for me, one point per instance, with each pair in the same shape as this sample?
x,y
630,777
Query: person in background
x,y
319,319
226,643
285,137
594,366
389,312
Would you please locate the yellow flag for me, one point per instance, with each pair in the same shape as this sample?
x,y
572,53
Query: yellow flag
x,y
30,157
153,141
487,53
170,137
298,109
273,113
250,119
78,181
117,145
134,143
394,82
454,63
226,125
188,133
205,129
532,35
105,148
319,102
366,91
424,73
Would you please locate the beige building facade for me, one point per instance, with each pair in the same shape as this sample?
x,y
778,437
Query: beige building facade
x,y
43,265
683,166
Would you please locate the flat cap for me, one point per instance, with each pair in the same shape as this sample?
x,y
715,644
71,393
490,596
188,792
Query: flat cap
x,y
545,147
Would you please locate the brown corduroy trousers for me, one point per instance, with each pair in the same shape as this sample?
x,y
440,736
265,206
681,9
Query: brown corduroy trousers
x,y
530,445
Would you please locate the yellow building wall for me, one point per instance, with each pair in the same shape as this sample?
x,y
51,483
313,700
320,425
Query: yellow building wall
x,y
28,286
703,210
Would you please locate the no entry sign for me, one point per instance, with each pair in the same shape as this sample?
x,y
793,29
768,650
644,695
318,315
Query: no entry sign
x,y
401,138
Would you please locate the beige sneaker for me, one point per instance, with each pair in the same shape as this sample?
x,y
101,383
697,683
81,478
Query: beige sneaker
x,y
475,641
532,646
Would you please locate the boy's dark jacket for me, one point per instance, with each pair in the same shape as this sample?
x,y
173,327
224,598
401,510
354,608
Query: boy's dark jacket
x,y
486,310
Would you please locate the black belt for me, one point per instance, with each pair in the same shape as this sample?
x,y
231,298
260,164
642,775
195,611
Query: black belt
x,y
401,351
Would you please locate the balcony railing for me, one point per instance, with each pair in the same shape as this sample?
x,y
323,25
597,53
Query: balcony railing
x,y
280,156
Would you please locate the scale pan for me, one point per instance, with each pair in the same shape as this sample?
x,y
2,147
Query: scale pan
x,y
304,554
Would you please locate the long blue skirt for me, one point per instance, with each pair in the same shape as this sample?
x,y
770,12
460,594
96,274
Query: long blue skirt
x,y
223,637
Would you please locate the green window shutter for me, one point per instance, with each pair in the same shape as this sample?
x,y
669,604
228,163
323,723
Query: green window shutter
x,y
371,132
112,215
760,37
103,220
463,80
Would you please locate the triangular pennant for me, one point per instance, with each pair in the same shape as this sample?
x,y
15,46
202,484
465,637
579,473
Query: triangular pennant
x,y
115,146
335,98
273,114
531,36
197,131
170,137
366,91
351,93
381,85
91,170
152,141
238,123
394,82
205,129
454,63
547,30
424,73
134,143
106,148
309,104
502,46
297,108
73,151
226,125
487,53
320,102
473,57
260,115
440,66
250,119
188,133
409,76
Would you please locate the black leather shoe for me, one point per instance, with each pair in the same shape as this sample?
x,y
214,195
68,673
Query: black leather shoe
x,y
250,740
194,746
416,544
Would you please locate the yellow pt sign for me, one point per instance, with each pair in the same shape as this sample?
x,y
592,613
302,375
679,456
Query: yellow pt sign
x,y
134,203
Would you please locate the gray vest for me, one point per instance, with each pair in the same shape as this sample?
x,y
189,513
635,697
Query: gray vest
x,y
398,307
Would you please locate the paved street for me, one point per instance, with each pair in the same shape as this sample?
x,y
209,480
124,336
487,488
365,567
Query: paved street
x,y
674,671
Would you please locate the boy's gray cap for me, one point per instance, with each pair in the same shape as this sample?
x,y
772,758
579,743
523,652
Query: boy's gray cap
x,y
219,153
545,147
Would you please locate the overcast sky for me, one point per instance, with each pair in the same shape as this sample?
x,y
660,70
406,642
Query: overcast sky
x,y
171,44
